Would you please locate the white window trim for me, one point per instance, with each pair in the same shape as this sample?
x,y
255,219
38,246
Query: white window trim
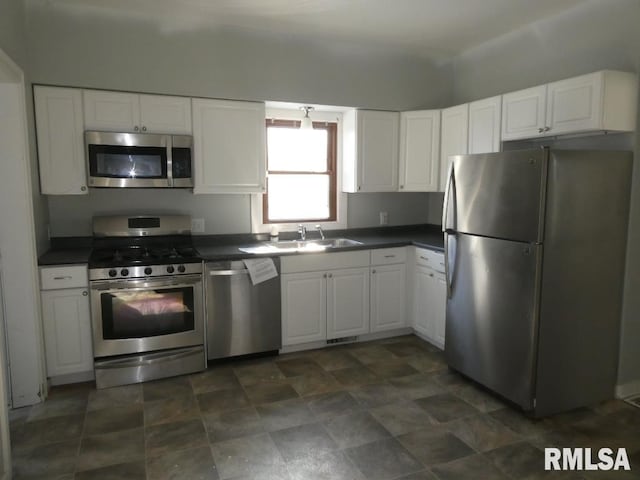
x,y
257,225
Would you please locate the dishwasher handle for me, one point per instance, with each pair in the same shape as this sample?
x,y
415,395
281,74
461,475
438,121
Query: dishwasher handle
x,y
220,273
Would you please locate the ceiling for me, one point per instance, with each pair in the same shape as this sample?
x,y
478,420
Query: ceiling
x,y
436,29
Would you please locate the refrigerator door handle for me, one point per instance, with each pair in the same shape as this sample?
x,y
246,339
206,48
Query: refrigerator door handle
x,y
447,196
446,264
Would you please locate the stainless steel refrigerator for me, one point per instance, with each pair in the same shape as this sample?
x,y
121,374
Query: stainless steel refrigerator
x,y
535,246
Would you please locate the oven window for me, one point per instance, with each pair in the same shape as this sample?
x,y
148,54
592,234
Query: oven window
x,y
127,162
147,313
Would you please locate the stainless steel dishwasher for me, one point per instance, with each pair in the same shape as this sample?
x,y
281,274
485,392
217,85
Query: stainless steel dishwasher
x,y
242,318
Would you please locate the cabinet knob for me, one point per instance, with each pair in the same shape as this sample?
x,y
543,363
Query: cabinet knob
x,y
373,271
85,293
324,276
83,188
540,130
331,275
144,129
136,128
359,187
401,187
546,129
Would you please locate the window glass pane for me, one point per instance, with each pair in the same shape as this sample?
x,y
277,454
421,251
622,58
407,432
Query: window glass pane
x,y
298,197
295,150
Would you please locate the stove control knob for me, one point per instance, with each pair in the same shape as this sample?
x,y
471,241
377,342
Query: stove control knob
x,y
182,268
147,271
112,273
170,269
124,272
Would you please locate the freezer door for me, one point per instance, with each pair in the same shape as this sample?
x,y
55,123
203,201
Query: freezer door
x,y
498,195
492,313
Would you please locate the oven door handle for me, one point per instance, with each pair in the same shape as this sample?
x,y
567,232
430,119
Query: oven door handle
x,y
185,281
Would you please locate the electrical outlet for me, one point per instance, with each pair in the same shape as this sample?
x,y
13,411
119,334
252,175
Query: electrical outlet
x,y
197,225
384,218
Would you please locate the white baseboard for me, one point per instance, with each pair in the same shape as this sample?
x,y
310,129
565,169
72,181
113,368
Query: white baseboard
x,y
625,390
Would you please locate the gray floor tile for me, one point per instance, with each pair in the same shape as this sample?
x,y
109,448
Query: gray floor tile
x,y
47,430
475,396
286,414
423,475
330,405
190,464
219,401
335,359
168,437
269,392
298,366
427,362
482,432
108,420
326,466
417,386
376,394
246,456
166,388
59,406
434,446
392,369
50,459
111,448
233,424
402,417
519,423
315,384
446,407
130,471
474,467
214,379
115,397
384,459
405,348
371,354
355,429
172,409
303,440
257,372
519,460
354,376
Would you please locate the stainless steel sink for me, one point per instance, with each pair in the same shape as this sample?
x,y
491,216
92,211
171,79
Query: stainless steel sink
x,y
301,246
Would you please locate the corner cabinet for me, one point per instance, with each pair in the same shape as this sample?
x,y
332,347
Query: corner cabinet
x,y
59,133
453,138
370,151
485,125
131,112
229,146
419,150
600,101
66,321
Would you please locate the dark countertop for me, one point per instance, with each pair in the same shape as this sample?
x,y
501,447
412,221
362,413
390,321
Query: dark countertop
x,y
73,250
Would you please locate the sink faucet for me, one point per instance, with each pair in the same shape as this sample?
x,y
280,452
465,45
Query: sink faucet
x,y
319,228
302,231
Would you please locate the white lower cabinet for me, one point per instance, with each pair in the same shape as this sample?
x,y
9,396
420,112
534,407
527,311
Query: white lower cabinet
x,y
429,296
67,323
388,297
347,302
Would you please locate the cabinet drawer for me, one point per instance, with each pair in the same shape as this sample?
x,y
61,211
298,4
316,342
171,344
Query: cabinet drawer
x,y
430,258
69,276
312,262
386,256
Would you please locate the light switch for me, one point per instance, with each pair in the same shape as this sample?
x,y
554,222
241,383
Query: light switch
x,y
197,225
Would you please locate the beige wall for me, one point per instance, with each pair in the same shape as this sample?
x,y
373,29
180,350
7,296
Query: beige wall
x,y
594,36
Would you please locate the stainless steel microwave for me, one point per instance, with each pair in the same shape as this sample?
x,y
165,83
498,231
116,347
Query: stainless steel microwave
x,y
139,160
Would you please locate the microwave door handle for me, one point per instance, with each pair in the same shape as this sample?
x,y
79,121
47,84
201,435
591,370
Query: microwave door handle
x,y
170,160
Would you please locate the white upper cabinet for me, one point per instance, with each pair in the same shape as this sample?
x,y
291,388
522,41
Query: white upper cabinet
x,y
600,101
523,113
453,137
130,112
419,151
229,146
59,133
484,125
370,151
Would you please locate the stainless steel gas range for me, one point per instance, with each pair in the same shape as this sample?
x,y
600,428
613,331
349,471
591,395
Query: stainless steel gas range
x,y
147,310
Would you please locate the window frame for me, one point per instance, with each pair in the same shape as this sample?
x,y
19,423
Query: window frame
x,y
331,170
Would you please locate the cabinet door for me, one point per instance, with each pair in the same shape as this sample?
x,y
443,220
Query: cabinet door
x,y
574,104
347,302
111,111
165,114
377,146
388,297
419,151
422,281
304,307
484,125
523,113
229,146
67,331
439,309
59,130
453,137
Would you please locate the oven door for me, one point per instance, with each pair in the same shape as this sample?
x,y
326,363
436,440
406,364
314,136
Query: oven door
x,y
128,159
144,315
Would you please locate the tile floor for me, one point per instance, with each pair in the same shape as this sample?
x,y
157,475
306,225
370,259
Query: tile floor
x,y
380,410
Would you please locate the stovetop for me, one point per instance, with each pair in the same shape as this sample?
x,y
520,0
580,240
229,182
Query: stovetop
x,y
138,255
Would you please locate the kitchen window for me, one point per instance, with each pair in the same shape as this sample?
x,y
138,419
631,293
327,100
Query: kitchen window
x,y
301,173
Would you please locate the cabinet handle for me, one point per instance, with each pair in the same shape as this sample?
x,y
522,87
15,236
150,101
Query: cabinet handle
x,y
359,187
424,258
540,130
83,188
136,128
431,274
373,271
64,277
85,293
389,256
546,129
144,129
324,276
331,275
